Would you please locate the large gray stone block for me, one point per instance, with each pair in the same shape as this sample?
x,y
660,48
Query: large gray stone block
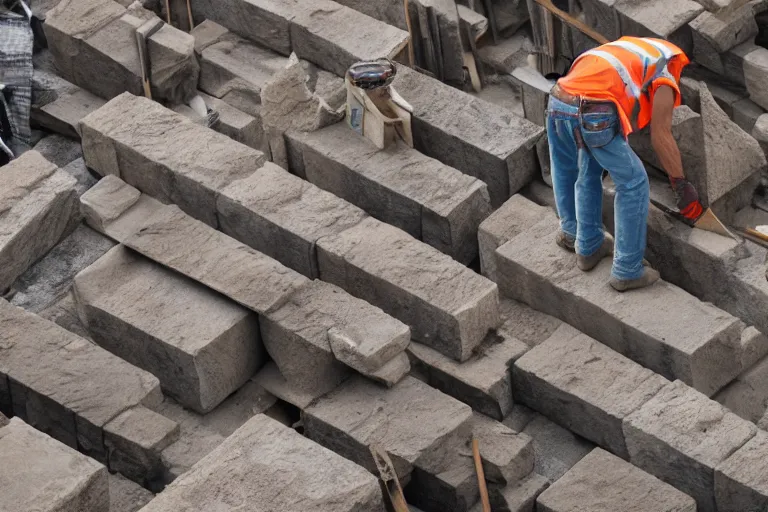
x,y
200,345
472,135
164,154
602,482
359,413
556,449
584,386
740,480
39,206
64,385
659,18
755,74
507,457
401,186
448,306
695,342
63,115
40,473
680,436
274,459
284,216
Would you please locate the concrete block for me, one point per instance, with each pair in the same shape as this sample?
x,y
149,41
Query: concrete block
x,y
602,482
134,441
537,272
179,242
755,73
40,473
401,186
584,386
447,306
556,449
39,205
164,154
740,479
200,345
284,216
472,135
680,436
514,217
271,456
507,456
659,18
66,386
359,413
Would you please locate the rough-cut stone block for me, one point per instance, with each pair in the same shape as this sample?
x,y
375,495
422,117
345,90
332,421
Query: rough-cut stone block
x,y
535,90
507,456
63,115
126,495
270,378
274,459
134,441
448,484
695,342
740,480
64,385
164,154
107,201
472,135
236,124
508,54
38,205
515,216
747,396
40,473
360,412
680,436
59,150
760,132
556,449
722,33
517,497
176,240
746,113
284,216
756,74
602,482
659,18
401,186
448,307
392,372
200,345
602,16
584,386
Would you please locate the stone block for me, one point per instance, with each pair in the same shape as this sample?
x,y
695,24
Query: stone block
x,y
164,154
450,484
602,16
134,441
659,18
721,33
508,54
359,413
270,378
602,482
59,150
40,473
39,206
65,385
78,170
514,217
733,61
447,306
760,132
518,497
755,74
507,456
392,372
284,216
536,271
740,479
236,124
190,247
535,93
472,135
584,386
747,396
556,449
110,198
271,457
746,113
401,186
126,495
200,345
680,436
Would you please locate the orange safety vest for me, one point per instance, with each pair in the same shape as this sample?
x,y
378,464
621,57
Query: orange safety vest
x,y
627,72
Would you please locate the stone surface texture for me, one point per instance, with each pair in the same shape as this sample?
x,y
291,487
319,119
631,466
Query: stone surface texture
x,y
740,480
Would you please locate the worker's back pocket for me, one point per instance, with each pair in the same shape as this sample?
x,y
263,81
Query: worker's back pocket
x,y
599,129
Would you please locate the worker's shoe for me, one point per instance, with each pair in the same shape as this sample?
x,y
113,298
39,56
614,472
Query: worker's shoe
x,y
649,277
566,242
587,263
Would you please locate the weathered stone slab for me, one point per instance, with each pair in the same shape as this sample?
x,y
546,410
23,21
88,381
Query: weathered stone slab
x,y
273,457
584,386
360,412
164,154
507,456
64,385
176,240
200,345
659,18
38,205
64,114
472,135
740,480
602,482
401,186
447,306
284,216
39,473
534,270
680,436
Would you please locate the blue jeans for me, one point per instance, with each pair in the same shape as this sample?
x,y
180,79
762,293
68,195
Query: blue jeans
x,y
581,145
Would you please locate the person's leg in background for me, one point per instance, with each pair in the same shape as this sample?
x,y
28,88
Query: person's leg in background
x,y
563,156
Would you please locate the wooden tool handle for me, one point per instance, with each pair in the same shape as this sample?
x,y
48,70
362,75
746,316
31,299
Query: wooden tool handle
x,y
481,476
756,234
570,20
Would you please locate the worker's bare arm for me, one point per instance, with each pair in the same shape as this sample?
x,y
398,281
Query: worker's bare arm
x,y
661,132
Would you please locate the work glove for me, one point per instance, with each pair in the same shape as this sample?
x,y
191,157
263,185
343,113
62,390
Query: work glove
x,y
687,198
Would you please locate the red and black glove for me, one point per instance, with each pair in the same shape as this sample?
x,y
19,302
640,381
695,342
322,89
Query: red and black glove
x,y
687,198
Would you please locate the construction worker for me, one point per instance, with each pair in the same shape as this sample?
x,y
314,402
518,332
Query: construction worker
x,y
607,93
